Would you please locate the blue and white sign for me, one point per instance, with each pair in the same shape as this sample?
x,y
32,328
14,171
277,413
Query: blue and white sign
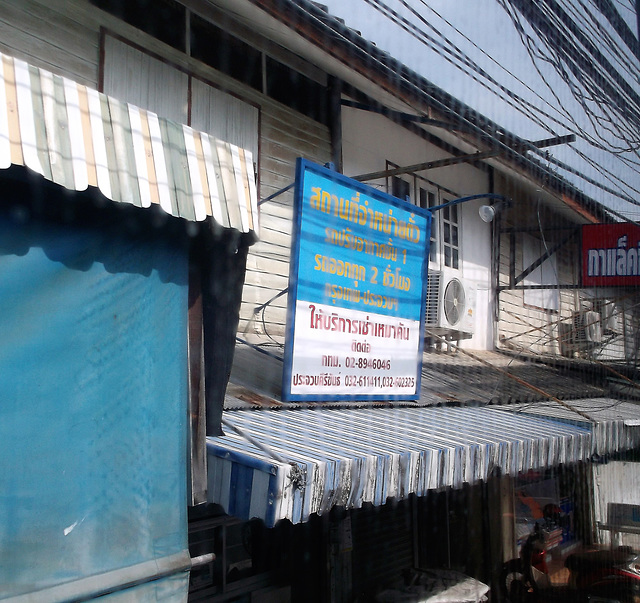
x,y
357,289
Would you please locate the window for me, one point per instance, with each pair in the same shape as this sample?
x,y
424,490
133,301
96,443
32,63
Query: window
x,y
428,199
295,90
444,246
226,53
400,188
170,92
162,19
217,47
450,235
138,78
545,274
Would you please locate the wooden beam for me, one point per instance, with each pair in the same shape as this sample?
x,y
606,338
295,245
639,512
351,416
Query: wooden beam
x,y
552,142
544,257
438,123
447,161
428,165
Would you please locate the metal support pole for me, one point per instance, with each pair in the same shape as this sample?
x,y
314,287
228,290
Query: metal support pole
x,y
471,198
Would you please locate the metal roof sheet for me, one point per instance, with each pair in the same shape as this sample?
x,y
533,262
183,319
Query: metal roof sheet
x,y
78,137
487,377
288,464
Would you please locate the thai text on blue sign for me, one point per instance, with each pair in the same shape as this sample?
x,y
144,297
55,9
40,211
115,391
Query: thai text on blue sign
x,y
357,291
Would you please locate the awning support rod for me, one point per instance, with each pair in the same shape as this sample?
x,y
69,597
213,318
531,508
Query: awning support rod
x,y
497,196
259,445
425,119
447,161
428,165
276,194
543,258
298,473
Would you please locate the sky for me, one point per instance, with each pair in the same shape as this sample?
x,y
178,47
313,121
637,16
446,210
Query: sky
x,y
485,33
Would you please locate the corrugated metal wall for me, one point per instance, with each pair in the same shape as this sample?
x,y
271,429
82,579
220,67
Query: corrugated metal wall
x,y
616,483
382,546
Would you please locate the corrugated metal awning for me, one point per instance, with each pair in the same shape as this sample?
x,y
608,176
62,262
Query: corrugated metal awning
x,y
77,137
616,423
292,463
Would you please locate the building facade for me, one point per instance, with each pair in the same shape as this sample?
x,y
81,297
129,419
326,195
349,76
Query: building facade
x,y
319,501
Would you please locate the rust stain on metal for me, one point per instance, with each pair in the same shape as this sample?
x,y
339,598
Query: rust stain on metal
x,y
255,398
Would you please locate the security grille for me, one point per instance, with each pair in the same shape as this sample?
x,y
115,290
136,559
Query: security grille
x,y
433,294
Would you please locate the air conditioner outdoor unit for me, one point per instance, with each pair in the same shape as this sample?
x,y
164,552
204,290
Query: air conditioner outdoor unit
x,y
611,318
587,327
451,304
580,335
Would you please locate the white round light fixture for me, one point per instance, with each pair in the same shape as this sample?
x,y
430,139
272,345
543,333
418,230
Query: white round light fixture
x,y
487,213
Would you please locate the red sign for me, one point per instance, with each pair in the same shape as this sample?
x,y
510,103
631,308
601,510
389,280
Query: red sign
x,y
610,255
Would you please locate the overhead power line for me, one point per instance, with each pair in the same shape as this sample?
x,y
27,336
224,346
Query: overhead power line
x,y
563,117
441,44
608,9
592,80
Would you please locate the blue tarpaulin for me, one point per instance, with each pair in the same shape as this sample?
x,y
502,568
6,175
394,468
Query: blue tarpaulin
x,y
93,409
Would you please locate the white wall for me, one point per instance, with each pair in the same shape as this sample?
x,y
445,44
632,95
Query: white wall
x,y
476,266
370,140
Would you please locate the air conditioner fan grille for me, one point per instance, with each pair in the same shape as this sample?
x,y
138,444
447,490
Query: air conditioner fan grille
x,y
454,301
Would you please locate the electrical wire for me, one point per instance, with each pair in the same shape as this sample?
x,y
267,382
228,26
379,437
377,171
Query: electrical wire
x,y
463,62
579,55
571,60
424,3
537,53
597,167
545,115
454,56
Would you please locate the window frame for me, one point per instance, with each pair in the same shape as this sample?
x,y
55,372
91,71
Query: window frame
x,y
434,195
545,275
449,221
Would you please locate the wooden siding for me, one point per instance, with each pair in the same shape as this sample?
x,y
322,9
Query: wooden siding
x,y
285,136
526,327
523,328
53,35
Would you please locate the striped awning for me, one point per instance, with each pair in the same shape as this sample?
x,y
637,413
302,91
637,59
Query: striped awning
x,y
289,464
616,424
77,137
